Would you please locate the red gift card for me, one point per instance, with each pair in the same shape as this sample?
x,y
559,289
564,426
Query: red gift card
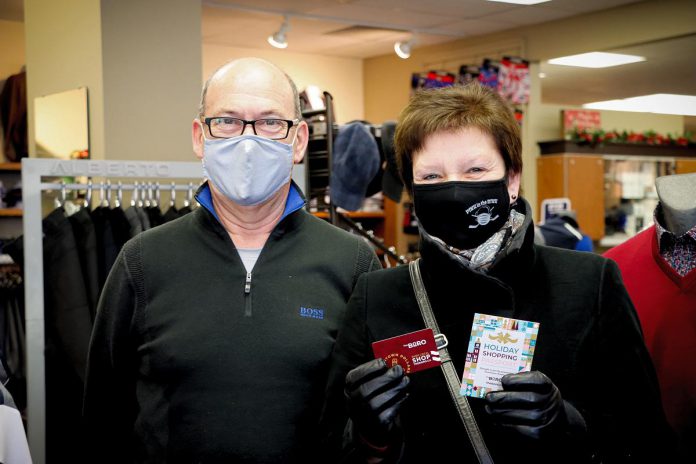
x,y
414,351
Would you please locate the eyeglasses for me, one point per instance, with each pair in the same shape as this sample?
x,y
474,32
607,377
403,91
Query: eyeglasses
x,y
274,129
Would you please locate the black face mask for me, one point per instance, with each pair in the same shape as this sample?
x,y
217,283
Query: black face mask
x,y
462,214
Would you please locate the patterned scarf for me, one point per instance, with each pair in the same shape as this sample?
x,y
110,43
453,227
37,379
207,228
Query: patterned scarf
x,y
481,258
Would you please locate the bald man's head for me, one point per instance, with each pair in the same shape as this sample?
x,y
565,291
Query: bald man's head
x,y
244,66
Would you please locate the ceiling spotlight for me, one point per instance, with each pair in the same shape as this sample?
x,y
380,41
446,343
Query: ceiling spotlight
x,y
403,49
278,39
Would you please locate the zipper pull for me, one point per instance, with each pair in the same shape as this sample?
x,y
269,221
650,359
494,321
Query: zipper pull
x,y
247,285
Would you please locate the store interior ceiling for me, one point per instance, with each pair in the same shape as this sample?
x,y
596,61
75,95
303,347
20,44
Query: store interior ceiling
x,y
366,28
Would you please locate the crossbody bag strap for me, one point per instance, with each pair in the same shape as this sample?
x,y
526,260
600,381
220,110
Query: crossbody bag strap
x,y
465,413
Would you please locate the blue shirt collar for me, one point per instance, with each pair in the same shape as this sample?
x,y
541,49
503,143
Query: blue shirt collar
x,y
293,203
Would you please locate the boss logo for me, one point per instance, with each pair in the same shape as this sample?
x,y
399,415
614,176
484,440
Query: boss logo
x,y
312,313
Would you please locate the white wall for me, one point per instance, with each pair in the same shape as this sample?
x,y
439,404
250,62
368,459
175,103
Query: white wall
x,y
151,56
341,77
639,122
549,122
140,62
63,52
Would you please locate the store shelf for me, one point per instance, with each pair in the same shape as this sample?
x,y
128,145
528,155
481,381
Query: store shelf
x,y
11,212
604,187
10,166
355,214
564,146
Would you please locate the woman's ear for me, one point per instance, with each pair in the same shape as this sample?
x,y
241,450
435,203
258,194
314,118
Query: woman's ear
x,y
513,184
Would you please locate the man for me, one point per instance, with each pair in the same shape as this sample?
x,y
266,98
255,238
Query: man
x,y
213,333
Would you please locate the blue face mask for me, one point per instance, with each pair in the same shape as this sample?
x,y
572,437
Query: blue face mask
x,y
247,169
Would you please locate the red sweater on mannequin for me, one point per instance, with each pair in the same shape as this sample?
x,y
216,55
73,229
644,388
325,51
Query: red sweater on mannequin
x,y
666,306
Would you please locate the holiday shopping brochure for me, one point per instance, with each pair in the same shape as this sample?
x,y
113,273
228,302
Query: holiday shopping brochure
x,y
497,346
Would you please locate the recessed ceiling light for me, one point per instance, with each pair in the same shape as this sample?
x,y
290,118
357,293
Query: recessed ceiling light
x,y
663,103
521,2
542,75
596,60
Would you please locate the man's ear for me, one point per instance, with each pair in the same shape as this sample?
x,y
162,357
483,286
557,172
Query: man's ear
x,y
197,138
301,142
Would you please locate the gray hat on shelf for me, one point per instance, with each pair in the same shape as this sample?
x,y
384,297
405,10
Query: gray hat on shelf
x,y
355,162
391,182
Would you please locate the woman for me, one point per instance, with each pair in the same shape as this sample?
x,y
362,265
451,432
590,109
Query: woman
x,y
591,394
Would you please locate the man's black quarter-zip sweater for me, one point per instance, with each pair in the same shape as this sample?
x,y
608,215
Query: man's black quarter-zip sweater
x,y
194,360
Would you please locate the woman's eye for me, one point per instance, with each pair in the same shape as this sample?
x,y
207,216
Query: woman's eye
x,y
475,170
430,177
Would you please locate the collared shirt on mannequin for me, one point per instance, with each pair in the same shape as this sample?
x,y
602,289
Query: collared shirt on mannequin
x,y
678,251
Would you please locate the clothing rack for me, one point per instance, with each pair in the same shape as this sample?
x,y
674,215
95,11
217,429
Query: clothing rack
x,y
147,194
33,170
369,235
318,161
319,155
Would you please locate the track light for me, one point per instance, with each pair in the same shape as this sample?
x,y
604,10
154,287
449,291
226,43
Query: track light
x,y
278,39
403,49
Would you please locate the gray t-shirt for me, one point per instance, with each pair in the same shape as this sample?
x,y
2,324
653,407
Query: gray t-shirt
x,y
249,257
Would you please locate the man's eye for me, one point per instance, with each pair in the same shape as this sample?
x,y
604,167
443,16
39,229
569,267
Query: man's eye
x,y
270,122
226,122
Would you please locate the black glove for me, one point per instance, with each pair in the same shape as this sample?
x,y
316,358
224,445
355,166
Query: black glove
x,y
531,405
375,395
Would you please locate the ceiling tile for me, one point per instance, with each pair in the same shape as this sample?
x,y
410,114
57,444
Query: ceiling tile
x,y
527,15
587,6
377,13
461,9
247,23
471,27
294,6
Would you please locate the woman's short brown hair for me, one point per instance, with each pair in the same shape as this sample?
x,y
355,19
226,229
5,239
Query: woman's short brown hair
x,y
450,109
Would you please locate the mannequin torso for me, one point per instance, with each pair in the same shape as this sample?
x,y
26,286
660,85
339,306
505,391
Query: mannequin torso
x,y
677,195
661,281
